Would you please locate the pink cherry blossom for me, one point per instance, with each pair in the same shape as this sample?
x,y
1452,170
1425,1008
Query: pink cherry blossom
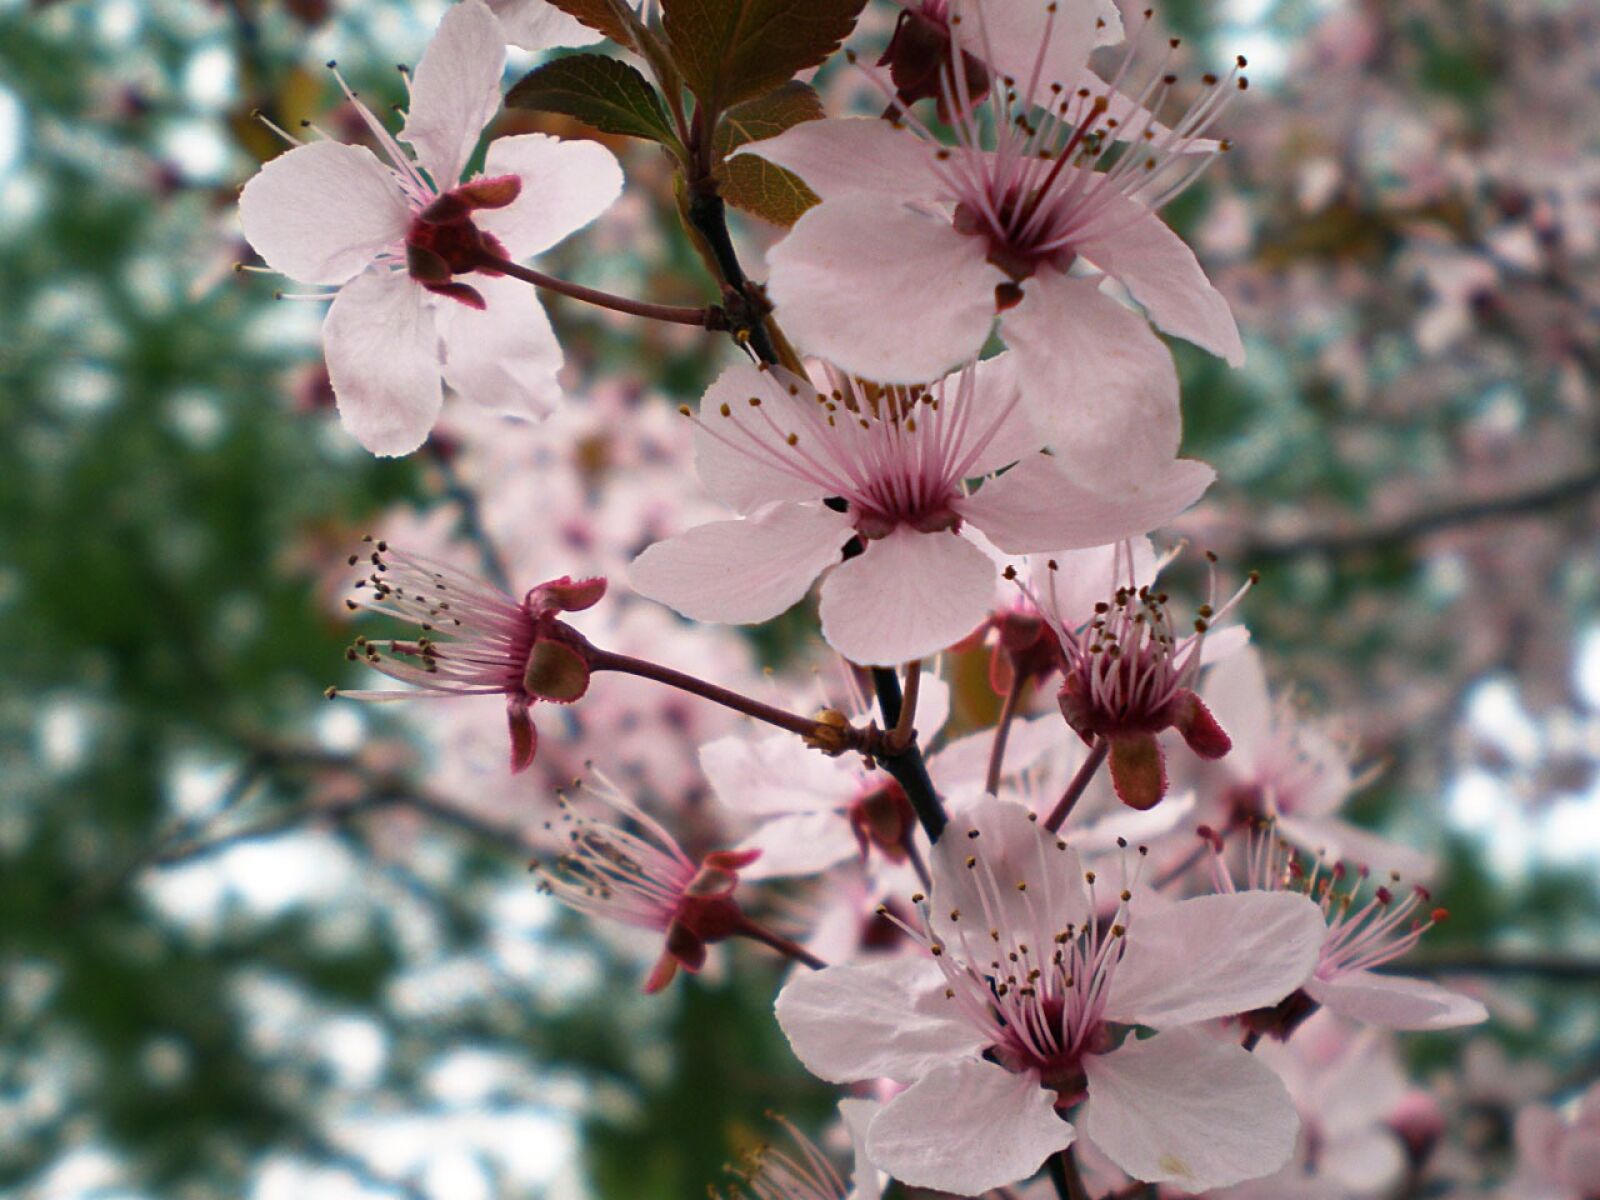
x,y
1126,674
1361,933
884,471
403,241
918,245
474,639
634,872
1020,1011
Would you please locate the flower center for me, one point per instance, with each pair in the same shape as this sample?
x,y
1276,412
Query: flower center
x,y
444,241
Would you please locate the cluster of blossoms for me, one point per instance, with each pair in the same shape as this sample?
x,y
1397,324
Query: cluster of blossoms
x,y
1016,961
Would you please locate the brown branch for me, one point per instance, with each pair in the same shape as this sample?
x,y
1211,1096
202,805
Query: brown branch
x,y
1398,531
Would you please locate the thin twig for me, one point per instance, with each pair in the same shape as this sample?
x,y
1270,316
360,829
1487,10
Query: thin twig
x,y
908,767
1002,731
705,318
1079,783
899,737
806,727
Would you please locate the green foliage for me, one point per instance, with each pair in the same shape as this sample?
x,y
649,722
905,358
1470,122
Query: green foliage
x,y
750,182
734,50
602,92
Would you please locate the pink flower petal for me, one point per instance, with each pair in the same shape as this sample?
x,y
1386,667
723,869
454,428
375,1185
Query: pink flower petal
x,y
1215,956
767,776
967,1127
565,185
1184,1108
1350,843
854,154
1396,1002
1101,386
505,356
800,844
1163,275
1236,691
908,596
540,25
888,1019
1011,845
741,459
455,90
886,292
380,342
997,386
1014,37
1042,504
741,572
857,1114
322,212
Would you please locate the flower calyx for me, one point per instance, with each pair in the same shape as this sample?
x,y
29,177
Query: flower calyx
x,y
443,242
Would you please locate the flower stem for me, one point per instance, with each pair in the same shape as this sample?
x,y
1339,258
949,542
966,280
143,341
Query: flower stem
x,y
1064,1174
905,728
760,933
705,318
1076,788
1002,731
907,767
606,660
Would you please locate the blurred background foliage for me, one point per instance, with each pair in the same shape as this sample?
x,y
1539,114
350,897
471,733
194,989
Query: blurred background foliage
x,y
217,977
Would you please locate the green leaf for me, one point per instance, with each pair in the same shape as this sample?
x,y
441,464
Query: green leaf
x,y
601,15
753,184
599,91
732,50
767,117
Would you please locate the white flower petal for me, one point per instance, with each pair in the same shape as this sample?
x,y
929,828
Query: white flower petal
x,y
968,1127
889,1019
1010,848
1184,1108
1215,956
322,212
565,185
886,292
853,154
1236,693
1102,388
766,776
1163,275
455,90
1044,503
1396,1002
504,357
742,458
908,596
799,844
857,1114
744,571
539,25
383,361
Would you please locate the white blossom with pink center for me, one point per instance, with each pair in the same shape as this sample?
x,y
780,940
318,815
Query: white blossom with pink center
x,y
402,240
919,245
1362,932
1022,1010
811,471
